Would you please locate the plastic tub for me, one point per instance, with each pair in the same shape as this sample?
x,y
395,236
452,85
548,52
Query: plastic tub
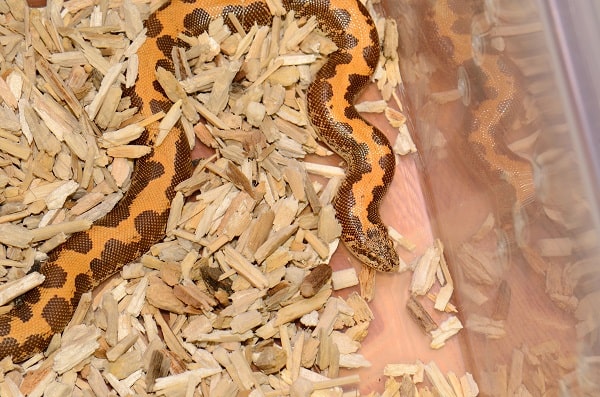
x,y
522,247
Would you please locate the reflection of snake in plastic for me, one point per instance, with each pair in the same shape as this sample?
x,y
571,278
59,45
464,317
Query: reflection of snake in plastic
x,y
139,220
494,96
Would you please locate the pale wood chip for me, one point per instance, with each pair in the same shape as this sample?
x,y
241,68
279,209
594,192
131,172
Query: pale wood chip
x,y
120,348
401,369
12,289
371,106
404,143
493,329
353,360
448,328
194,296
179,381
424,273
362,312
57,197
168,122
109,106
317,244
502,303
300,308
59,86
315,280
79,342
246,321
245,268
110,77
478,266
274,241
366,282
161,296
469,386
18,150
270,360
442,300
81,311
15,235
69,227
129,151
402,240
103,208
420,315
438,380
7,95
170,338
122,136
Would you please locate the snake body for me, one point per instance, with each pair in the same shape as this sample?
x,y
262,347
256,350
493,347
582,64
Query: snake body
x,y
496,97
138,221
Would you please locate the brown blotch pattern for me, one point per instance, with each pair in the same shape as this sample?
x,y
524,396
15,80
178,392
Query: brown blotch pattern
x,y
81,243
182,166
256,13
21,311
57,313
379,139
5,325
55,275
158,106
136,100
371,52
356,82
445,47
491,92
342,18
253,13
11,347
478,81
115,253
196,21
154,26
33,343
166,64
145,172
150,224
327,72
462,26
83,283
32,297
166,43
155,84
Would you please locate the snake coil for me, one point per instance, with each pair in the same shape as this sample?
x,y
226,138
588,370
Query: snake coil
x,y
138,221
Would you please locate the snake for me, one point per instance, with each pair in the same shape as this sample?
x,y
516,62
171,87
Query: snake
x,y
495,99
139,219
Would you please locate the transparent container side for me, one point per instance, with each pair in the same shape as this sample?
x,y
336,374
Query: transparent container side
x,y
503,102
570,31
569,28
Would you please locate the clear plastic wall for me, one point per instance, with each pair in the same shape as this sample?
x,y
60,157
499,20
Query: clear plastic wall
x,y
509,144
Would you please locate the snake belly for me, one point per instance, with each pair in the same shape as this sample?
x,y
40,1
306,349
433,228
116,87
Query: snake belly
x,y
496,95
139,219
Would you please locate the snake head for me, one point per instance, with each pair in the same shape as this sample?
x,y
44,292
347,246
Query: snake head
x,y
376,251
